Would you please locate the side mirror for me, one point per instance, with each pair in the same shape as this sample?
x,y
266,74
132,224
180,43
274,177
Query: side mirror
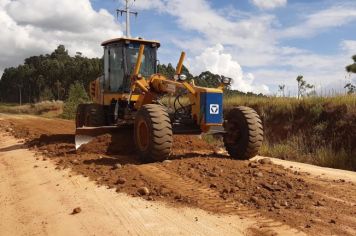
x,y
226,80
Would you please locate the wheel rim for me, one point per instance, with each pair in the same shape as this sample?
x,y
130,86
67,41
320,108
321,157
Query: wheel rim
x,y
143,136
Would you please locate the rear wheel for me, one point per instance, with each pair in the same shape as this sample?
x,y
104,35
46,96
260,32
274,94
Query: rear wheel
x,y
244,133
153,133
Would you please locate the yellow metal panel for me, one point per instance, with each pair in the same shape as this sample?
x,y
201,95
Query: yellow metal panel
x,y
190,88
139,60
142,84
180,64
213,124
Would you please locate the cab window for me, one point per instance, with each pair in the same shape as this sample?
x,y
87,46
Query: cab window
x,y
148,66
116,69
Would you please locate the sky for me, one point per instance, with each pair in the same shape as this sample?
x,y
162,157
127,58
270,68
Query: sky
x,y
259,43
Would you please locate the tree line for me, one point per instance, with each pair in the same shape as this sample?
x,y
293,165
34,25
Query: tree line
x,y
49,77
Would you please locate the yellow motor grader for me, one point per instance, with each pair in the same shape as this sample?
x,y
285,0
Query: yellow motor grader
x,y
131,92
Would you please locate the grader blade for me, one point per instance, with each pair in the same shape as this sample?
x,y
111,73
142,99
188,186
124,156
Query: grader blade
x,y
84,135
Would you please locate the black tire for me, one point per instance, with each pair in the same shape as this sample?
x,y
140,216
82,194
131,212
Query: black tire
x,y
153,133
244,133
79,116
94,115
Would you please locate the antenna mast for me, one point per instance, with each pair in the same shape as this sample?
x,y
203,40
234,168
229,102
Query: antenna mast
x,y
128,12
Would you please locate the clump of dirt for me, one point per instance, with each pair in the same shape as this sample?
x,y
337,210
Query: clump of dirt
x,y
109,144
191,144
123,143
98,145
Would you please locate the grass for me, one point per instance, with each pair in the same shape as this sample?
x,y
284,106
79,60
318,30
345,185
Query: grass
x,y
288,102
45,108
296,149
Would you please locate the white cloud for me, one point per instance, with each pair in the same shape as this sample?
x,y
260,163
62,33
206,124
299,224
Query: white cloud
x,y
147,4
349,46
269,4
250,32
217,61
321,20
327,73
32,27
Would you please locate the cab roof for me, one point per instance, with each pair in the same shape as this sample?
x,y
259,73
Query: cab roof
x,y
131,40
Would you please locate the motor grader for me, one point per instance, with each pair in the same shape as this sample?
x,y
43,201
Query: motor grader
x,y
132,93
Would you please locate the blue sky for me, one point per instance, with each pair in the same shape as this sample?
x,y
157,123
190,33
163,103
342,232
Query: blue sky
x,y
321,32
259,43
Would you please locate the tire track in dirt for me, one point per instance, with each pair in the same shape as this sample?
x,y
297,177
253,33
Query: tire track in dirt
x,y
209,199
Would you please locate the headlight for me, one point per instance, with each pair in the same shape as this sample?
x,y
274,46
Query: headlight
x,y
182,77
226,80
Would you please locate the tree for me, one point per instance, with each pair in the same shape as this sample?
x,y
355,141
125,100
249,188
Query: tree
x,y
303,86
350,88
77,95
46,94
352,68
208,79
167,71
281,89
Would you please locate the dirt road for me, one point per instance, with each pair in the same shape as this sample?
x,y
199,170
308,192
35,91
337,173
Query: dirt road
x,y
199,192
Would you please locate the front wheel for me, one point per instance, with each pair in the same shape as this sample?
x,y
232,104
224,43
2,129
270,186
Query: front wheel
x,y
153,133
244,133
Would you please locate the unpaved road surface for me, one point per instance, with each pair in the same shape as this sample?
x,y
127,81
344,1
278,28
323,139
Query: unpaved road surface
x,y
199,192
37,200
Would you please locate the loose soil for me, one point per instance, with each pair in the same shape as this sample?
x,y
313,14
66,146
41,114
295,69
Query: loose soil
x,y
198,175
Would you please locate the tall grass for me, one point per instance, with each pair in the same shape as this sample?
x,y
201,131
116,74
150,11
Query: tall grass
x,y
296,148
288,103
45,108
316,130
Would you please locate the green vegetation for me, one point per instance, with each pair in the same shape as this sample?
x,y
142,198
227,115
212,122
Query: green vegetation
x,y
315,130
46,108
351,88
77,95
47,77
352,68
303,86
